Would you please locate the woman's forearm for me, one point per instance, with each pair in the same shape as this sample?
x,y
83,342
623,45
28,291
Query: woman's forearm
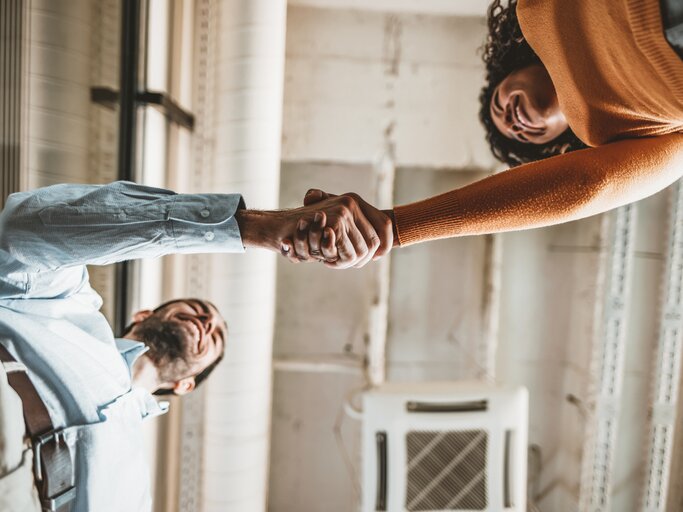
x,y
559,189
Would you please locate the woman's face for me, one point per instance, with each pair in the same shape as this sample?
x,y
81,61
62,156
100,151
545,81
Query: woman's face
x,y
524,106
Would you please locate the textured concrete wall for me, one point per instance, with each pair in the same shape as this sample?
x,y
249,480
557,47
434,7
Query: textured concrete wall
x,y
351,76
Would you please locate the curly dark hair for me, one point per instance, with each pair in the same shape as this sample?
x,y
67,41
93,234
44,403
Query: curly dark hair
x,y
505,51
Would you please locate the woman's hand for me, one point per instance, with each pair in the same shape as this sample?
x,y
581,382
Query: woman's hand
x,y
319,240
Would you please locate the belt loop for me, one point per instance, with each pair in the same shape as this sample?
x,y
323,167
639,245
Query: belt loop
x,y
14,366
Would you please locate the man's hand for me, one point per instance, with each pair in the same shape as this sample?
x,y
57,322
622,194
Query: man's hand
x,y
308,244
343,237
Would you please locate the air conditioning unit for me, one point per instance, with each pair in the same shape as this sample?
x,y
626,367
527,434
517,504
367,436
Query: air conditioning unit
x,y
456,446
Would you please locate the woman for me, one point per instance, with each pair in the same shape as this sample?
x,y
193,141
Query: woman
x,y
587,75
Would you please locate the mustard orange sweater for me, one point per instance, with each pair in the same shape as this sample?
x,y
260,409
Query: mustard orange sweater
x,y
619,84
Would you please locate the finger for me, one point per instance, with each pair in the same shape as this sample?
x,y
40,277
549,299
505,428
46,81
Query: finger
x,y
382,223
315,195
329,245
346,253
287,250
301,240
364,239
315,234
359,247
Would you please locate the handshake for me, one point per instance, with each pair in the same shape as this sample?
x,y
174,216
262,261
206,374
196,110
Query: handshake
x,y
339,231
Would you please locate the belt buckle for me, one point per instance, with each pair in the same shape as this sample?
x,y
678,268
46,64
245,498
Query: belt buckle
x,y
57,435
53,503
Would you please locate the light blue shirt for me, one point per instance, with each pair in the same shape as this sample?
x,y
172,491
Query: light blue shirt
x,y
50,318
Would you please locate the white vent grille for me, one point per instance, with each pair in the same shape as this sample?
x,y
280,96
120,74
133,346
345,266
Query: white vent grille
x,y
444,446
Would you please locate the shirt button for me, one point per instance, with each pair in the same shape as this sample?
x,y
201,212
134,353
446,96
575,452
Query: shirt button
x,y
205,213
209,236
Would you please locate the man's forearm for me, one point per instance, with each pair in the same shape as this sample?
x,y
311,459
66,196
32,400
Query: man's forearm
x,y
69,225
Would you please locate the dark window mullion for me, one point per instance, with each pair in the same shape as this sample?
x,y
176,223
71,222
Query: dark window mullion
x,y
128,90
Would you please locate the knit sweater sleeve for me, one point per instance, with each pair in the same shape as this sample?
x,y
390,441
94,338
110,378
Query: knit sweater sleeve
x,y
551,191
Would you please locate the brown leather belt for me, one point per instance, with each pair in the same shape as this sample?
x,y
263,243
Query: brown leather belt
x,y
52,465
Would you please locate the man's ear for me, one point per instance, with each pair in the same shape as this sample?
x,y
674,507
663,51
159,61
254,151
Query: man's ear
x,y
142,315
184,386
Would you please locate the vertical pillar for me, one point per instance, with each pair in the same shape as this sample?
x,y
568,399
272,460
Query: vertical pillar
x,y
248,92
490,309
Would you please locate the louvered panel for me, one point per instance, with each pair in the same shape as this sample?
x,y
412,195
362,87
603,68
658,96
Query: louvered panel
x,y
13,35
446,470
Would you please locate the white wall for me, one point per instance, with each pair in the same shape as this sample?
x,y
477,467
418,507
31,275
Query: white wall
x,y
350,75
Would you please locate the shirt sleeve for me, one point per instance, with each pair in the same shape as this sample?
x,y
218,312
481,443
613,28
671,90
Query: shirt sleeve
x,y
559,189
65,226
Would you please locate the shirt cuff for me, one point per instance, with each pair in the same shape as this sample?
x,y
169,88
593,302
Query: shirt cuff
x,y
206,222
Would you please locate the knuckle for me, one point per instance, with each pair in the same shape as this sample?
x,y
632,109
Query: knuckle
x,y
346,201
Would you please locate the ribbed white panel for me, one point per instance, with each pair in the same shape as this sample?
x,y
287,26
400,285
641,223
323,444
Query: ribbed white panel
x,y
249,79
196,267
14,36
667,370
607,366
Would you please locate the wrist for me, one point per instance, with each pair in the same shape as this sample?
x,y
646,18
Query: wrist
x,y
390,214
262,229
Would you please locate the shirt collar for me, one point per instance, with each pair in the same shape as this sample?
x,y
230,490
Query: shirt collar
x,y
130,350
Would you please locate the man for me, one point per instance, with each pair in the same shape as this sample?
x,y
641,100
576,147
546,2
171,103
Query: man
x,y
91,389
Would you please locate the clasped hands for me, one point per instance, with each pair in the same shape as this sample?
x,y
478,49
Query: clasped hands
x,y
339,231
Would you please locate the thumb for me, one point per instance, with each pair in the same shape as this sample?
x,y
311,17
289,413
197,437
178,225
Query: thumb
x,y
315,195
